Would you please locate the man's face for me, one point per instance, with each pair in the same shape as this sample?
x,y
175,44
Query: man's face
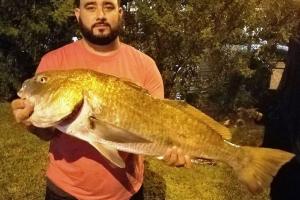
x,y
99,20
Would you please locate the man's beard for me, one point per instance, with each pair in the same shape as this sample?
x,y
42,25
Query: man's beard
x,y
97,39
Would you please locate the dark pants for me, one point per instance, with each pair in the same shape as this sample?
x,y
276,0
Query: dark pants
x,y
286,184
55,193
51,195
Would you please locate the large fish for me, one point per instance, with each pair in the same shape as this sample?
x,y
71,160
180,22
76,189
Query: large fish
x,y
113,114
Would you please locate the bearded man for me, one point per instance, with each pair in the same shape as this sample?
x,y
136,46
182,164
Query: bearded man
x,y
76,170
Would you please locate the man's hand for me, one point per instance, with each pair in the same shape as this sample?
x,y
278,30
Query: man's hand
x,y
175,157
22,109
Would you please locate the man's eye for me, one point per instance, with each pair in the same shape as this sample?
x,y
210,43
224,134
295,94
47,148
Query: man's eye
x,y
109,7
91,8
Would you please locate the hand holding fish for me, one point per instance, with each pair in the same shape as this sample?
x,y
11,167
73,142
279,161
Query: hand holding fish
x,y
22,109
175,157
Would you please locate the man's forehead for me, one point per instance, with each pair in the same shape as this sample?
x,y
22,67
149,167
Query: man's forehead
x,y
98,1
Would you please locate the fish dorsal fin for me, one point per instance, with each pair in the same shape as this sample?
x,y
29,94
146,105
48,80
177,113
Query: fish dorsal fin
x,y
133,85
110,132
198,114
109,153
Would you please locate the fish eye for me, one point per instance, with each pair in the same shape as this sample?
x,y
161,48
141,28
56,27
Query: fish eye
x,y
42,79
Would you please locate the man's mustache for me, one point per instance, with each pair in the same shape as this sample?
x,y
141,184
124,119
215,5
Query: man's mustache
x,y
100,24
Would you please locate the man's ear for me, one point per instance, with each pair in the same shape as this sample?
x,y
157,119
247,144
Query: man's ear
x,y
77,13
121,11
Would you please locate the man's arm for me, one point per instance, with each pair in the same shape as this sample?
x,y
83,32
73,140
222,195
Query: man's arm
x,y
22,109
45,134
154,84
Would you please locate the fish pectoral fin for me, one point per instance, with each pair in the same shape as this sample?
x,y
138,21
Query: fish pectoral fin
x,y
110,132
109,153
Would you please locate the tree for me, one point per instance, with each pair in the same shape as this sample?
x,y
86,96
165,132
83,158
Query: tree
x,y
209,45
28,29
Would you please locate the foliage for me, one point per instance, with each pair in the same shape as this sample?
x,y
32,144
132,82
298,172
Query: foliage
x,y
22,160
15,65
205,50
28,29
209,45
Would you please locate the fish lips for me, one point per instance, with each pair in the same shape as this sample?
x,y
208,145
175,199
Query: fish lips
x,y
21,93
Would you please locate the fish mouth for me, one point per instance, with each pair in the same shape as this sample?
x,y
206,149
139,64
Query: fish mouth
x,y
21,93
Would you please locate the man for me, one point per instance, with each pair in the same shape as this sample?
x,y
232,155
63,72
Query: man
x,y
76,170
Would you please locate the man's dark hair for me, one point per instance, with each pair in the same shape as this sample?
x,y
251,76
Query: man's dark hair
x,y
77,3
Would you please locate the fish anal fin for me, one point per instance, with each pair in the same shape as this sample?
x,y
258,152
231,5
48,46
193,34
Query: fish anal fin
x,y
198,114
109,153
110,132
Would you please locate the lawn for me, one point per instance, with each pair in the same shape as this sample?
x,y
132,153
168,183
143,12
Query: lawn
x,y
23,160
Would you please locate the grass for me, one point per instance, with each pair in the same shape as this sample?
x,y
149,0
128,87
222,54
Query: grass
x,y
23,160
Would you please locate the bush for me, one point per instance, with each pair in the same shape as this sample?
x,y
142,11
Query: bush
x,y
15,67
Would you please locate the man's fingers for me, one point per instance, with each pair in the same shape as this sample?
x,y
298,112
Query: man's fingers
x,y
22,115
188,162
181,158
17,104
21,109
171,156
167,154
174,157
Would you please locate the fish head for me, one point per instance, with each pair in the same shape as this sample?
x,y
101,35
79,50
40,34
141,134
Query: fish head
x,y
55,96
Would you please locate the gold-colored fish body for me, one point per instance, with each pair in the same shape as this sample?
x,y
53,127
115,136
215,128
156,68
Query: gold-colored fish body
x,y
166,122
112,114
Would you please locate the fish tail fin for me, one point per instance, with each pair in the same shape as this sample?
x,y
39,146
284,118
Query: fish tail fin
x,y
258,167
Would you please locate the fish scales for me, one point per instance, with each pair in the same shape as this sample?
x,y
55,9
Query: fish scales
x,y
157,118
156,122
159,122
153,119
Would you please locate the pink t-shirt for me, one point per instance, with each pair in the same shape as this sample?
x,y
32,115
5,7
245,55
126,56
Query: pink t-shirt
x,y
75,166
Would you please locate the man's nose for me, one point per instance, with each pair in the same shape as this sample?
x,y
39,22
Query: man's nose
x,y
100,14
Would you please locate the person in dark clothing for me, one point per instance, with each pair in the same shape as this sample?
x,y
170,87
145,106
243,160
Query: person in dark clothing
x,y
282,126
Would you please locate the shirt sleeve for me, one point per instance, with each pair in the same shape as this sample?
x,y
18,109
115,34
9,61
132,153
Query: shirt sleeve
x,y
153,80
49,61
